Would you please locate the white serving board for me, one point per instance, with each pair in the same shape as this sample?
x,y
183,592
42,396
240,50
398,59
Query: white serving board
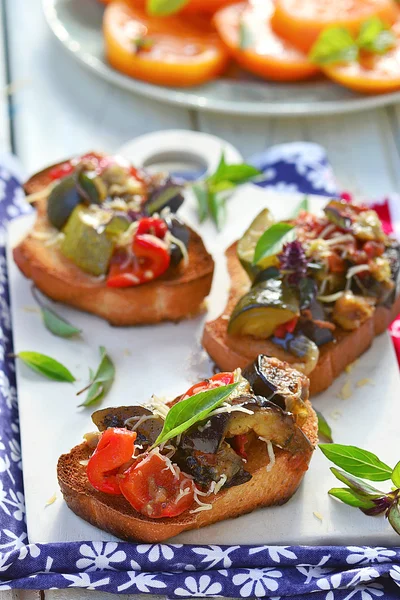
x,y
165,360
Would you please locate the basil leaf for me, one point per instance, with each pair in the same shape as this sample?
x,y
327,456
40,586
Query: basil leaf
x,y
246,36
101,381
47,366
187,412
53,322
217,208
236,174
334,45
394,516
375,36
351,498
163,8
200,191
271,242
324,429
396,475
356,461
303,205
357,485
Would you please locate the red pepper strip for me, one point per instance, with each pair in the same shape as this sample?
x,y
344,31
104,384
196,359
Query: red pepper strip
x,y
115,448
151,260
215,381
285,328
336,263
238,444
152,225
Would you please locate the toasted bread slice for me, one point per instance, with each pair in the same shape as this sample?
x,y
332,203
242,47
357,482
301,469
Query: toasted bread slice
x,y
176,295
230,352
115,515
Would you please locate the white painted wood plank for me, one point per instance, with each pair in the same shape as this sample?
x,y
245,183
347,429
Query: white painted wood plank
x,y
20,595
361,149
61,108
4,126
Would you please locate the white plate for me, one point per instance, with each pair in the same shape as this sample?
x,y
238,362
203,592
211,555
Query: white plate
x,y
166,359
77,24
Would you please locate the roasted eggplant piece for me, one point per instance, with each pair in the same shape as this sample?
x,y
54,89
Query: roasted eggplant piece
x,y
302,347
340,213
206,468
311,329
180,231
278,383
263,308
167,195
61,202
271,423
147,426
90,185
206,437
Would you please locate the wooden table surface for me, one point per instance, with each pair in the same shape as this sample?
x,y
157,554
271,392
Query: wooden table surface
x,y
52,108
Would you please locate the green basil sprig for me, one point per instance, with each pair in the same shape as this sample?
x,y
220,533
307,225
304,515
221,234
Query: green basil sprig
x,y
324,429
336,44
272,241
192,410
213,192
53,322
163,8
360,464
100,381
303,205
46,366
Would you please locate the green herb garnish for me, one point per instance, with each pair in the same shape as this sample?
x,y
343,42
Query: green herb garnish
x,y
163,8
362,464
46,366
337,45
212,193
303,205
54,323
272,241
100,381
196,408
324,429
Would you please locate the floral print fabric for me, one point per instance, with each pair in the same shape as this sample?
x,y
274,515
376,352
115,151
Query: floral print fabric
x,y
174,570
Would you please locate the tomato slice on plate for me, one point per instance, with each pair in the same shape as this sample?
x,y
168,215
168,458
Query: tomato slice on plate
x,y
372,73
302,21
246,31
154,490
177,51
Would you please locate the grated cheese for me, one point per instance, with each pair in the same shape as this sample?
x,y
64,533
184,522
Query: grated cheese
x,y
171,239
328,229
51,500
350,366
346,391
331,297
183,493
140,419
356,269
365,381
318,516
158,406
202,505
41,194
216,486
84,463
340,239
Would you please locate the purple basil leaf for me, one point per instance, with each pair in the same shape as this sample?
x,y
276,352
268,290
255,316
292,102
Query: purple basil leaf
x,y
394,516
356,484
381,505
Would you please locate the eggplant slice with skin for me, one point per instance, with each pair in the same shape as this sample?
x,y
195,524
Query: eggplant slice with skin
x,y
137,418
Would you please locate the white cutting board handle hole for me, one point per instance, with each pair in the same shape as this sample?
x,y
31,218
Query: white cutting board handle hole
x,y
187,153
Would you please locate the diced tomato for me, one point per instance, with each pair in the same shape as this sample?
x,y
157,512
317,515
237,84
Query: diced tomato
x,y
115,448
336,263
218,380
285,328
61,171
374,249
151,259
238,444
154,226
154,490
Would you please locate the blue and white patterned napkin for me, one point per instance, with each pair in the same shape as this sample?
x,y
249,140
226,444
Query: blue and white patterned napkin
x,y
174,570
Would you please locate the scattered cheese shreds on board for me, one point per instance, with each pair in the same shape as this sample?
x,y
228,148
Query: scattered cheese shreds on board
x,y
318,516
336,414
51,500
365,381
346,392
350,366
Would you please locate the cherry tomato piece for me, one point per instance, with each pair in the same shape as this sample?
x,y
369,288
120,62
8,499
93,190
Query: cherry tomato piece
x,y
115,448
154,226
374,249
215,381
239,445
154,490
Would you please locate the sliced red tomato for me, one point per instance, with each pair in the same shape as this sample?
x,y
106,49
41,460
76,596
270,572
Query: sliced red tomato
x,y
246,31
154,490
302,21
177,50
239,445
115,448
225,378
